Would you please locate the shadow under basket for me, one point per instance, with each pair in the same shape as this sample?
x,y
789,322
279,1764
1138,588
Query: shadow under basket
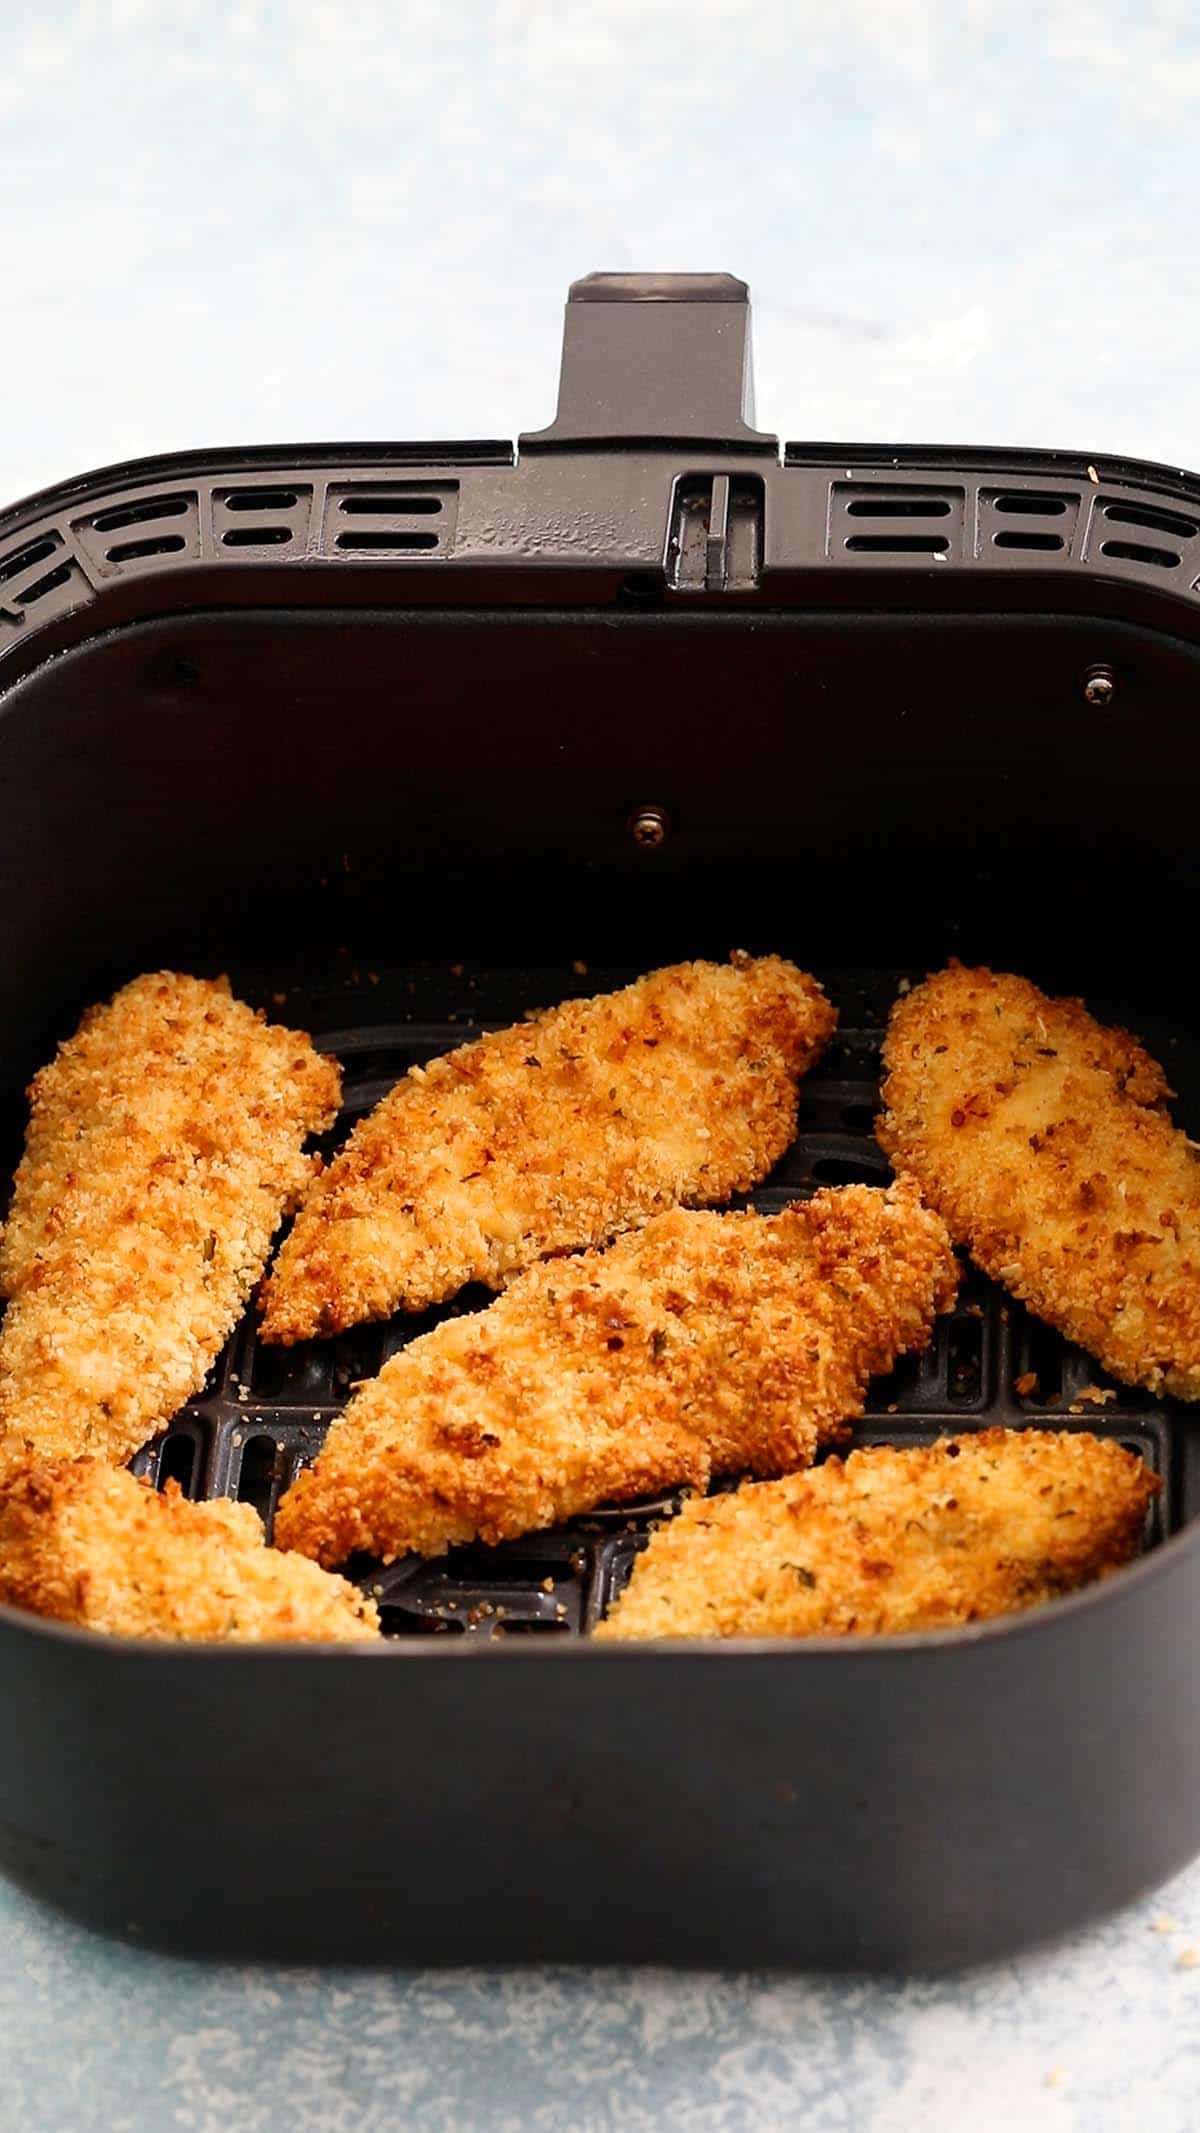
x,y
408,739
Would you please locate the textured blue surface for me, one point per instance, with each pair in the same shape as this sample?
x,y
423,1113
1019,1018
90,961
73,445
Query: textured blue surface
x,y
229,222
1094,2037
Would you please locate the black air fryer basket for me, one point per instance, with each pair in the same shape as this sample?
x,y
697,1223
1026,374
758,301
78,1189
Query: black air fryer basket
x,y
408,738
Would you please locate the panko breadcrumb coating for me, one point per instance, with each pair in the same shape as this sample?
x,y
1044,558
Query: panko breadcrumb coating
x,y
581,1122
1044,1140
889,1541
164,1146
701,1344
86,1543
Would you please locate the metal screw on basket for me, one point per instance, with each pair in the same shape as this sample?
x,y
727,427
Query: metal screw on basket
x,y
1099,686
649,827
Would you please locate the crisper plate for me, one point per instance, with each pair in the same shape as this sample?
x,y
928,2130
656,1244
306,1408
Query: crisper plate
x,y
265,1410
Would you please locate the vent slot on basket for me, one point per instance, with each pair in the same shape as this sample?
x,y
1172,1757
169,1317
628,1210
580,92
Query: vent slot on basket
x,y
883,519
1031,522
1152,519
1028,503
258,1474
897,507
26,558
256,536
1038,1357
866,1167
171,528
406,505
272,518
964,1338
143,513
28,584
178,1461
50,583
1139,552
391,541
154,544
898,543
260,499
396,1623
397,519
531,1628
1026,537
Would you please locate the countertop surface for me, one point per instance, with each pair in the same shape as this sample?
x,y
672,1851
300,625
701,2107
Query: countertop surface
x,y
1094,2036
227,220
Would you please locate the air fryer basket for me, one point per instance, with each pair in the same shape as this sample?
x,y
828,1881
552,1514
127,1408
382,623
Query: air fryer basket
x,y
410,738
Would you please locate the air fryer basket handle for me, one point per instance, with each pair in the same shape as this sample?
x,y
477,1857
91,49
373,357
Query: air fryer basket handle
x,y
655,358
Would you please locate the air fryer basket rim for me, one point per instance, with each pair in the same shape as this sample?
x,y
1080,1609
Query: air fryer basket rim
x,y
650,483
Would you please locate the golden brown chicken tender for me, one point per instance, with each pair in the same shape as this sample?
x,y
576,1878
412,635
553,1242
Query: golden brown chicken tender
x,y
1044,1141
890,1541
579,1123
86,1543
164,1145
703,1343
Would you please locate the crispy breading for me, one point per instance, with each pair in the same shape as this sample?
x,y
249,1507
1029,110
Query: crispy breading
x,y
1044,1140
85,1543
703,1343
557,1134
889,1541
164,1146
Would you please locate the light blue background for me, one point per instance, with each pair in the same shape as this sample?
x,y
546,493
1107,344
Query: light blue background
x,y
349,218
226,221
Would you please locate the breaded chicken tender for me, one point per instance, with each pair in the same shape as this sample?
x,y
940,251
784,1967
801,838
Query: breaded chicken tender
x,y
1044,1140
701,1344
579,1123
164,1146
86,1543
889,1541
